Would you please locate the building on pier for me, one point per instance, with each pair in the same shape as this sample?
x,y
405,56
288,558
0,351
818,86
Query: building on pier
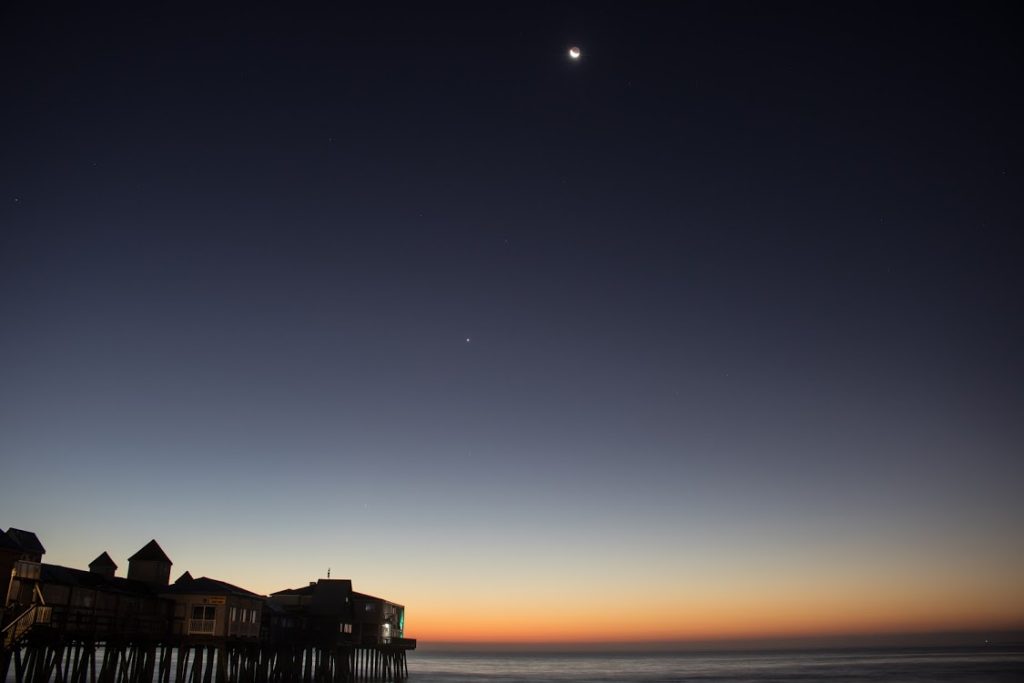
x,y
320,611
66,625
330,605
208,607
377,618
93,604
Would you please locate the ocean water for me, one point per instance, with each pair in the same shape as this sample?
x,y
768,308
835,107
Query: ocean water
x,y
979,665
848,666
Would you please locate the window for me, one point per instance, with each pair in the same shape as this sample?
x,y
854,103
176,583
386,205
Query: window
x,y
204,612
234,614
204,619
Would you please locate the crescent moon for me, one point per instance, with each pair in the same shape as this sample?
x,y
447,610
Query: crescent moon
x,y
574,52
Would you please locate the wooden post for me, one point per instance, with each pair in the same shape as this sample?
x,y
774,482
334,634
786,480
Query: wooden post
x,y
222,663
164,674
181,665
210,654
197,665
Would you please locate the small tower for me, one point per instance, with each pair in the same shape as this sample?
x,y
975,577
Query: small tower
x,y
31,549
150,565
103,565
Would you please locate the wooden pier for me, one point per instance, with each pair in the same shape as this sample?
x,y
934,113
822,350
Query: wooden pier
x,y
65,625
49,658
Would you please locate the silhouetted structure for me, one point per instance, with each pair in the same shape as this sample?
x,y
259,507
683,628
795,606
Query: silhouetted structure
x,y
31,549
328,618
150,565
103,565
73,626
10,552
22,556
208,607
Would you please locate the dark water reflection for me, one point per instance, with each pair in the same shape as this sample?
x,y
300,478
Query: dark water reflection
x,y
981,666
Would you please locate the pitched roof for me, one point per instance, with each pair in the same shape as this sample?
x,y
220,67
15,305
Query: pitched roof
x,y
187,576
8,542
151,552
326,597
206,586
305,590
364,596
26,540
103,561
66,576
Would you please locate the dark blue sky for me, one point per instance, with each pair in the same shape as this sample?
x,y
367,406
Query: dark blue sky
x,y
746,276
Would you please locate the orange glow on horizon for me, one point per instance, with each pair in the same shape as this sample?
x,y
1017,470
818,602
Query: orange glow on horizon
x,y
755,619
559,632
509,597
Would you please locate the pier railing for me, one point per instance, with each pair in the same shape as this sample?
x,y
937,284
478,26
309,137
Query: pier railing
x,y
78,622
202,626
36,614
69,644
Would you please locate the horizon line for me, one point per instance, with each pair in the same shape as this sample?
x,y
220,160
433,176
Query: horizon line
x,y
964,638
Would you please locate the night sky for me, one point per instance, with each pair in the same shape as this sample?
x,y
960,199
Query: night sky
x,y
714,332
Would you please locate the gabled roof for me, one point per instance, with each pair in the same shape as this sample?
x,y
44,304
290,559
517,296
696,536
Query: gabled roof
x,y
151,552
187,576
26,540
103,561
206,586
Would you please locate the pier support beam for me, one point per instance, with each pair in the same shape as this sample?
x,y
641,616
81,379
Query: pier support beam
x,y
92,661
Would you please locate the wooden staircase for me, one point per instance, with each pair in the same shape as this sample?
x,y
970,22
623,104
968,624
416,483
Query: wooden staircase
x,y
19,627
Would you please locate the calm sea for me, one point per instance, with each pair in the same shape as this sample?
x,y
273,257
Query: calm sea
x,y
849,666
